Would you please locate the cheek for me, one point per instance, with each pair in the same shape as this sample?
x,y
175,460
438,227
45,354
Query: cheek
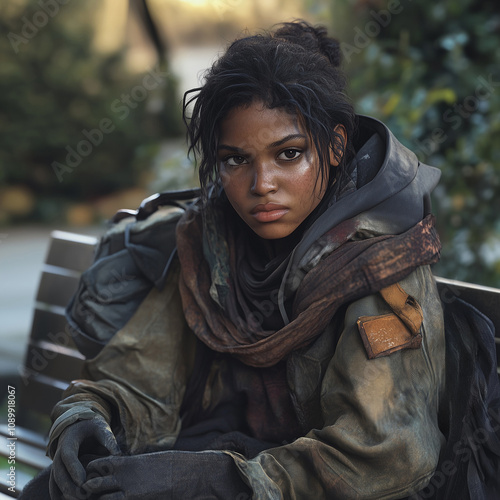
x,y
231,181
224,177
308,187
234,190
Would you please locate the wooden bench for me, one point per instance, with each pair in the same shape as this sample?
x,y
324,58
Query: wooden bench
x,y
52,359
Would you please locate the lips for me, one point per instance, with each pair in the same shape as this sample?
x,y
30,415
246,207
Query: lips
x,y
269,212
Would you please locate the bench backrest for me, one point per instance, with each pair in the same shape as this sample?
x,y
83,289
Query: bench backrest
x,y
483,298
51,359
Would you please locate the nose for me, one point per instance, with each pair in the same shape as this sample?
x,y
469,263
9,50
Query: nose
x,y
264,179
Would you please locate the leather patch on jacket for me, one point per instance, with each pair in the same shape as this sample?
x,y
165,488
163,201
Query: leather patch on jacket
x,y
385,334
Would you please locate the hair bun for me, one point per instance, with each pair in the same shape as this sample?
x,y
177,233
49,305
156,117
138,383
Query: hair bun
x,y
313,38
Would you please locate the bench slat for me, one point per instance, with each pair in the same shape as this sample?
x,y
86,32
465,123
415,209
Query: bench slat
x,y
483,298
22,477
26,454
39,397
53,361
71,251
52,325
56,289
26,436
4,493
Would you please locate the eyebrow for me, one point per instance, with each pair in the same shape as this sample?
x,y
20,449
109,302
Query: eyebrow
x,y
230,148
269,146
286,139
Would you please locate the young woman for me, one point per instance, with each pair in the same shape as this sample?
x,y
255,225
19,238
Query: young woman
x,y
295,348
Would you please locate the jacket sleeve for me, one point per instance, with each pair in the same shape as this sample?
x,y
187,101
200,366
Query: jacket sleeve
x,y
380,438
137,381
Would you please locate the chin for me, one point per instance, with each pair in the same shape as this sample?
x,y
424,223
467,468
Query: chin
x,y
271,233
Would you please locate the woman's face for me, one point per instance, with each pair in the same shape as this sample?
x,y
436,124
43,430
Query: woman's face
x,y
269,169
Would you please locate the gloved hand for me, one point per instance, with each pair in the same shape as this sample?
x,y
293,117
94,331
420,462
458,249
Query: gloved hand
x,y
165,474
79,442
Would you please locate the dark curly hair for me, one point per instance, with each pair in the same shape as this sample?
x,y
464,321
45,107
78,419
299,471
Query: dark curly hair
x,y
295,68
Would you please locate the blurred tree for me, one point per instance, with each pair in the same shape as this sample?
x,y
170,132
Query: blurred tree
x,y
431,72
75,124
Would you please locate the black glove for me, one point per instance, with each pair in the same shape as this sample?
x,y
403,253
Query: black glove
x,y
77,445
165,474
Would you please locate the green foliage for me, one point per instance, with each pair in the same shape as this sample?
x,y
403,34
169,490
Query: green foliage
x,y
431,72
58,94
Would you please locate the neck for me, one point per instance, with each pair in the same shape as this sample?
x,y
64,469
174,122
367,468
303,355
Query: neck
x,y
281,246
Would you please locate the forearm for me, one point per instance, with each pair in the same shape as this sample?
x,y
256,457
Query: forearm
x,y
71,410
309,468
137,381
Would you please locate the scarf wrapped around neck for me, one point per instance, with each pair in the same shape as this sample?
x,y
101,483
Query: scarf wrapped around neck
x,y
213,292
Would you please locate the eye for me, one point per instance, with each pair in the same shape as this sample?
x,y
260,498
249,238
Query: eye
x,y
290,154
234,161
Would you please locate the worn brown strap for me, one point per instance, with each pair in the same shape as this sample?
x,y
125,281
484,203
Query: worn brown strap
x,y
405,306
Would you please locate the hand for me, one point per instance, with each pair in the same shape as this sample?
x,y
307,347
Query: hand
x,y
165,474
133,477
85,437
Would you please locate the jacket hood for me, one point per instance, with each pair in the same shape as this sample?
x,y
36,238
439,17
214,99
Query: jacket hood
x,y
388,191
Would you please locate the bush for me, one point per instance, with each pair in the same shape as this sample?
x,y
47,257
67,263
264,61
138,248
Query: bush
x,y
431,72
76,124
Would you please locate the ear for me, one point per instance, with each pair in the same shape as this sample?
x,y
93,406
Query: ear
x,y
334,161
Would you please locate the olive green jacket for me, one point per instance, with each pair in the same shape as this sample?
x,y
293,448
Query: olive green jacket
x,y
373,425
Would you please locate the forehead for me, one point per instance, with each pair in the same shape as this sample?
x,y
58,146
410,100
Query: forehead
x,y
256,124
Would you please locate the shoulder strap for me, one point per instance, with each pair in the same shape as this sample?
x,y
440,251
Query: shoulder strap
x,y
177,198
405,306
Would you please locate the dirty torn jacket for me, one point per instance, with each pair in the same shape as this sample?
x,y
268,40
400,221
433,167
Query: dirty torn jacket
x,y
329,394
